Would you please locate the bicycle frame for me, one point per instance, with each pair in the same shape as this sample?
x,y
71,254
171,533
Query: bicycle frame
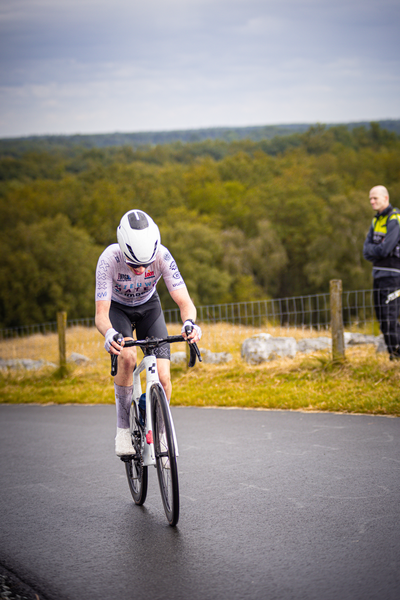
x,y
149,364
164,441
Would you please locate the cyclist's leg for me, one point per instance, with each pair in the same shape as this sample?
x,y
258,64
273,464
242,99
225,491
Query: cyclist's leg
x,y
121,321
123,382
152,324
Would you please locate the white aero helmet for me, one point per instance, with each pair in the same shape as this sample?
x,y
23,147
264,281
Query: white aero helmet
x,y
138,237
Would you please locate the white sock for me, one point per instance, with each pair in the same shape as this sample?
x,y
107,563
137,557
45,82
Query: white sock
x,y
121,429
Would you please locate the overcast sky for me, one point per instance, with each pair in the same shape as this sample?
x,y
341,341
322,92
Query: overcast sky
x,y
98,66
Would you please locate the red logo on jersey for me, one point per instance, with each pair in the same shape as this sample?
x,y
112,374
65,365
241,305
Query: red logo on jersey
x,y
149,274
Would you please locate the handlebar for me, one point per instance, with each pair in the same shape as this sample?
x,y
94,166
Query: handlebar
x,y
151,344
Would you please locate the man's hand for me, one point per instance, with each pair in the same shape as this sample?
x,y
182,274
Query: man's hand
x,y
191,331
114,341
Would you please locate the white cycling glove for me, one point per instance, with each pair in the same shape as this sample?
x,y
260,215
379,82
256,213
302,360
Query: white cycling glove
x,y
109,338
192,325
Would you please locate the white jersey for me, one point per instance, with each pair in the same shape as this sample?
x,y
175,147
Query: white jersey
x,y
115,280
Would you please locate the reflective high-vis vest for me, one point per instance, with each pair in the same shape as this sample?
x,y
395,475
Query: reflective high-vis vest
x,y
379,224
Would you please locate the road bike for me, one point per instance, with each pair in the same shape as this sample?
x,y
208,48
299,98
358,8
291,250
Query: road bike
x,y
152,428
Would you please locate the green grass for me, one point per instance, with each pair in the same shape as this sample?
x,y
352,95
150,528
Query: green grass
x,y
366,382
363,383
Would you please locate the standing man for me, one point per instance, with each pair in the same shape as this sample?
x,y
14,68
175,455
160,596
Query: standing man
x,y
126,299
382,248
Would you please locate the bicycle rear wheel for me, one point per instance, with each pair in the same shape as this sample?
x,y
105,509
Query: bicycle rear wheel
x,y
135,471
167,468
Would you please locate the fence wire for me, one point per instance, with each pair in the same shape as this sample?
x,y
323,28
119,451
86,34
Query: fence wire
x,y
221,323
299,312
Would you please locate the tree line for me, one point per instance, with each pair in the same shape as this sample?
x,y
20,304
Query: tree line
x,y
50,143
244,219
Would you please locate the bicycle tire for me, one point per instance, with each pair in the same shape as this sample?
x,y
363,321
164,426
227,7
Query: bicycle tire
x,y
164,446
136,473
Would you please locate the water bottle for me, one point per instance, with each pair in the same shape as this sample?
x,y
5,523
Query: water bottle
x,y
142,409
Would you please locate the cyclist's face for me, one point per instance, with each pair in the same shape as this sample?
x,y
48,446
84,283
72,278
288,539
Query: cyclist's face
x,y
137,270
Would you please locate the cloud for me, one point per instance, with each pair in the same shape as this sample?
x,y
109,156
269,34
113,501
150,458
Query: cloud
x,y
92,65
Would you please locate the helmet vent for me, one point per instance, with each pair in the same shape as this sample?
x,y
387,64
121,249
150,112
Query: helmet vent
x,y
133,256
138,220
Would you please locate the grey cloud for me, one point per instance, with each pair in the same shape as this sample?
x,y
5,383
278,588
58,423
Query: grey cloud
x,y
123,29
168,54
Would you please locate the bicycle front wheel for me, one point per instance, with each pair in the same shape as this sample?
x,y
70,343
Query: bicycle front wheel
x,y
167,468
135,471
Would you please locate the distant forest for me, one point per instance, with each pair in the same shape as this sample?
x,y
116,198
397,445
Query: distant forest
x,y
17,146
245,217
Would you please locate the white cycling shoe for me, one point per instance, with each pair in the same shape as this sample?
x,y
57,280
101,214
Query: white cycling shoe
x,y
123,443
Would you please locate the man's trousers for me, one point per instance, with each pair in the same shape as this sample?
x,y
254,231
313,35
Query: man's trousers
x,y
387,313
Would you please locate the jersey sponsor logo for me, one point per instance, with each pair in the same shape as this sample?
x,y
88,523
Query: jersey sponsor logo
x,y
167,256
101,277
103,265
101,285
173,266
177,275
101,295
149,274
176,284
132,294
117,258
123,277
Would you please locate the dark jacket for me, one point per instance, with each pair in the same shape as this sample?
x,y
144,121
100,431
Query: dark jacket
x,y
382,244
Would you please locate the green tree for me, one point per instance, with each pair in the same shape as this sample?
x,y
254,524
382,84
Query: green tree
x,y
198,251
245,219
46,267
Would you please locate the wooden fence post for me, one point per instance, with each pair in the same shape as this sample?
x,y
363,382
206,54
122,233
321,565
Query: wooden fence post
x,y
62,346
335,286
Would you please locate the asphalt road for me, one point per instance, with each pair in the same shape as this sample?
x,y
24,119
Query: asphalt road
x,y
274,505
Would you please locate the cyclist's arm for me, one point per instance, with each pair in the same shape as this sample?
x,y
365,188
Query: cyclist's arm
x,y
102,319
187,309
103,323
185,304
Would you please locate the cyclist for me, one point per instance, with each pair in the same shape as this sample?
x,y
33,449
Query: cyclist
x,y
126,299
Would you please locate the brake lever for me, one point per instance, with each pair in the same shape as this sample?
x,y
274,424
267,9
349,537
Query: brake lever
x,y
114,358
193,348
114,365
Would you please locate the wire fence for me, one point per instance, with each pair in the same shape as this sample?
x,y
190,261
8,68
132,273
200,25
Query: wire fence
x,y
42,328
300,312
222,325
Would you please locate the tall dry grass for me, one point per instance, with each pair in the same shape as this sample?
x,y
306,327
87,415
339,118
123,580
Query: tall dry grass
x,y
219,337
366,382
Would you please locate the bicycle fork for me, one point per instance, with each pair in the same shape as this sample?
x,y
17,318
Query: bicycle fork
x,y
150,364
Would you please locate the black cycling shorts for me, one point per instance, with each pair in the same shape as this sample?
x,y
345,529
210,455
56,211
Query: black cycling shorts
x,y
147,319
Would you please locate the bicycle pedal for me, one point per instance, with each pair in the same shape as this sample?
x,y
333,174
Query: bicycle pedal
x,y
127,458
